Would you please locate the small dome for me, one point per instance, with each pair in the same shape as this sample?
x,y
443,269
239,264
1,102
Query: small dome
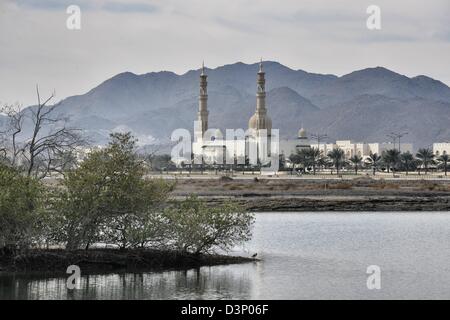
x,y
302,133
253,122
256,123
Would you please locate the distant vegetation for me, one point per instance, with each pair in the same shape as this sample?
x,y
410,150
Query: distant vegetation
x,y
311,160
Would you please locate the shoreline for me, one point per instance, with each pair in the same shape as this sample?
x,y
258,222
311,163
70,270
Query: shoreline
x,y
361,194
342,204
92,261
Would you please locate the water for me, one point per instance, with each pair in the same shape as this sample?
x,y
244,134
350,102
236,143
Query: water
x,y
304,256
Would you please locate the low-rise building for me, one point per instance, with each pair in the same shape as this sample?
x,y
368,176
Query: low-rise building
x,y
441,148
292,146
325,148
363,149
379,148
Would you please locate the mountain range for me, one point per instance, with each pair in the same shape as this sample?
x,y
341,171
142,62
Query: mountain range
x,y
364,105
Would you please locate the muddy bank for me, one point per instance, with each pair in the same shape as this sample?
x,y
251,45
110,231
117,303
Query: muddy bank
x,y
361,194
110,260
303,204
363,185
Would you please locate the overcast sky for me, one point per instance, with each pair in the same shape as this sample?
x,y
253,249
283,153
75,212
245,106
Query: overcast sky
x,y
145,35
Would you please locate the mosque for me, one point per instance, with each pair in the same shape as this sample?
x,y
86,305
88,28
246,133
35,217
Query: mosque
x,y
259,144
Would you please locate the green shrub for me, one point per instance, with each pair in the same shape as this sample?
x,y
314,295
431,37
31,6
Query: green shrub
x,y
108,199
198,228
20,204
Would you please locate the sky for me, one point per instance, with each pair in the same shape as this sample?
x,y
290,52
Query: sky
x,y
141,36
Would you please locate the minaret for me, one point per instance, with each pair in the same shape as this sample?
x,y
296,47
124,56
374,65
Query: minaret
x,y
202,115
260,120
261,92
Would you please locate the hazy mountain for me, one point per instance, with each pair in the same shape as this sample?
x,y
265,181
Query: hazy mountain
x,y
364,105
370,118
390,84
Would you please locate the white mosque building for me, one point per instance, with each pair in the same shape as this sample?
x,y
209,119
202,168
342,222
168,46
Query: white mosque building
x,y
257,144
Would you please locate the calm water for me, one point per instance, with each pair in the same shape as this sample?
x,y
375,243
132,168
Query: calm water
x,y
304,256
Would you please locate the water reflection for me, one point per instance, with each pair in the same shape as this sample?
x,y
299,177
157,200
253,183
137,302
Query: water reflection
x,y
220,282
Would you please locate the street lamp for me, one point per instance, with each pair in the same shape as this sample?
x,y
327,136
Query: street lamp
x,y
319,137
397,135
391,136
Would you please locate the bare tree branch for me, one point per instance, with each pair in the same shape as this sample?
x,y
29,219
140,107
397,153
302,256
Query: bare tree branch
x,y
47,149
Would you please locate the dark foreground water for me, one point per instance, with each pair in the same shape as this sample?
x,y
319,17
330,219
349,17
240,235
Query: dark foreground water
x,y
304,256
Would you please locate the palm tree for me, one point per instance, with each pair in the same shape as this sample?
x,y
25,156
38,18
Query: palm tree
x,y
281,161
425,156
406,158
295,159
391,158
337,158
301,157
308,158
374,159
324,161
313,155
304,159
356,161
444,159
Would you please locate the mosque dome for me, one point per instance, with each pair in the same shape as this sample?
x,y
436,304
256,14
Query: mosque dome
x,y
256,122
302,133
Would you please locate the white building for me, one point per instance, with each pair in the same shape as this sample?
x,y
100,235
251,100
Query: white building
x,y
441,148
363,149
380,147
291,146
211,146
324,148
81,153
260,125
351,148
